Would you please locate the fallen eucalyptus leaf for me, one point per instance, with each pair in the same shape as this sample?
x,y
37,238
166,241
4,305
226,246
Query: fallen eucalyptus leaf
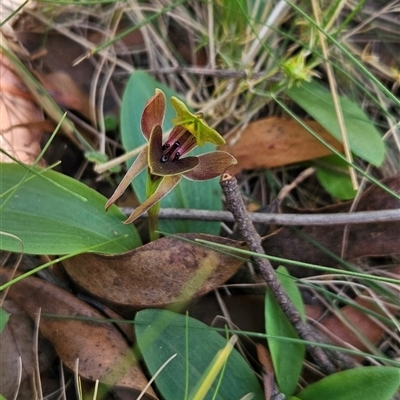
x,y
102,352
18,356
274,142
355,326
159,273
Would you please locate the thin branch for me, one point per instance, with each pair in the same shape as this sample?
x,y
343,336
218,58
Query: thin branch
x,y
235,205
220,73
360,217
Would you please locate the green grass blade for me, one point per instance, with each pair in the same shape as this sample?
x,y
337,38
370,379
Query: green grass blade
x,y
354,60
302,264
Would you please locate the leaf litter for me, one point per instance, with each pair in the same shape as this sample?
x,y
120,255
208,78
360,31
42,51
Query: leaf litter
x,y
77,331
158,274
362,242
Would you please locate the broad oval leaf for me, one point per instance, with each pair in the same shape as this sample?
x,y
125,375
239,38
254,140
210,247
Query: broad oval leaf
x,y
161,334
287,357
164,271
54,214
188,194
365,140
363,383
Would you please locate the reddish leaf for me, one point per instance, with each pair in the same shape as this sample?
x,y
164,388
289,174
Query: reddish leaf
x,y
363,325
268,370
274,142
20,135
155,275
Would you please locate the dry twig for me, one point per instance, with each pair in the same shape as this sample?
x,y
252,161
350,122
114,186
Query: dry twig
x,y
325,219
236,206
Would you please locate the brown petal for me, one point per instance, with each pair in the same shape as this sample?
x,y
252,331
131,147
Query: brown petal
x,y
210,165
153,113
166,185
176,167
139,164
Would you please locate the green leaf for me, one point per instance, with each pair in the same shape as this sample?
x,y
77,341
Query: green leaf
x,y
110,122
287,357
365,140
188,194
333,174
161,334
363,383
55,214
3,319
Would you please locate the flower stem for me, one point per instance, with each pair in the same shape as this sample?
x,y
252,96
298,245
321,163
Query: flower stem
x,y
151,186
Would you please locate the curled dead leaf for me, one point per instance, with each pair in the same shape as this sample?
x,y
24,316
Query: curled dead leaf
x,y
68,323
159,273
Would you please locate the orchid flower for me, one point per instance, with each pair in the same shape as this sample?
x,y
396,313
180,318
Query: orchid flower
x,y
165,161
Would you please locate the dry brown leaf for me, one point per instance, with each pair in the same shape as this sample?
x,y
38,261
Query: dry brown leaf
x,y
20,136
264,357
372,239
17,341
364,325
102,352
154,275
66,92
274,142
